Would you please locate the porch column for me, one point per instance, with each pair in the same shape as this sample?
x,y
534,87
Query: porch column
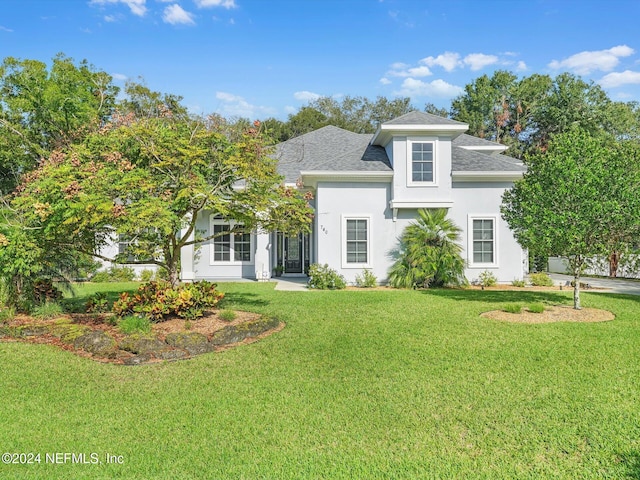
x,y
263,256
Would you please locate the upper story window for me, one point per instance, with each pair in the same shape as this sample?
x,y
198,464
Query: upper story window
x,y
227,247
421,161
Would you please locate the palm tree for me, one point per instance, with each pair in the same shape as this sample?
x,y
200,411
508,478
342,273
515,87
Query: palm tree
x,y
430,253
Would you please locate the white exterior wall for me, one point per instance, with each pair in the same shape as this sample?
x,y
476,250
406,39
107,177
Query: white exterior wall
x,y
335,201
203,266
111,251
401,160
476,199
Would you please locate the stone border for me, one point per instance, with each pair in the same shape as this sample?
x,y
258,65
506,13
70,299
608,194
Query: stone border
x,y
138,349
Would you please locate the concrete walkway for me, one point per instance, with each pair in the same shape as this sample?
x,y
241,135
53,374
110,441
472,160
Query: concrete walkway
x,y
612,285
292,284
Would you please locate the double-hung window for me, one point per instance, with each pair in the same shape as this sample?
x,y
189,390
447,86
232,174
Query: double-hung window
x,y
356,241
483,240
421,161
228,247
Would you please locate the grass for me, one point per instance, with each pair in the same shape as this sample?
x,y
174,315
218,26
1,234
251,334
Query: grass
x,y
134,324
227,315
75,301
47,310
536,307
512,308
382,384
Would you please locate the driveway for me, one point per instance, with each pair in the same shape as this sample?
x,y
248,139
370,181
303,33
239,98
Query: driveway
x,y
613,285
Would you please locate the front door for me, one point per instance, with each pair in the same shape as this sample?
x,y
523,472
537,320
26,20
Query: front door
x,y
293,254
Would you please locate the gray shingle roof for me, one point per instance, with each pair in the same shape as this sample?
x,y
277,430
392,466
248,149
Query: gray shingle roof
x,y
470,161
330,149
421,118
465,140
334,149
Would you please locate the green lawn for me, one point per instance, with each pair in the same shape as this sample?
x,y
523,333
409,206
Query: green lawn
x,y
361,384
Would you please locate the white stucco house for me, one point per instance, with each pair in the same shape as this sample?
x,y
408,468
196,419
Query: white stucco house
x,y
367,189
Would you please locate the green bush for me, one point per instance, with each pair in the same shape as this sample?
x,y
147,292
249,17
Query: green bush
x,y
536,308
146,275
429,254
227,315
158,300
134,324
322,277
114,274
487,279
97,303
518,283
512,308
540,280
47,310
367,279
7,314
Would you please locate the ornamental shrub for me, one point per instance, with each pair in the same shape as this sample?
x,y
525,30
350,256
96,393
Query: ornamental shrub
x,y
367,279
158,300
536,308
322,277
114,274
487,279
134,324
540,279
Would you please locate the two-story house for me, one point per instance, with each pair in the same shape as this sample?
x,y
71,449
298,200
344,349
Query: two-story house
x,y
367,189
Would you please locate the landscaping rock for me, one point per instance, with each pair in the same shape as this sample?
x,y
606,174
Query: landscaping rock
x,y
171,354
193,342
69,332
237,333
137,359
139,345
31,330
98,343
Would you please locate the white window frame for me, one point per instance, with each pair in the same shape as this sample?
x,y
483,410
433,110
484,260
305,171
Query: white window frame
x,y
470,260
217,220
343,241
410,142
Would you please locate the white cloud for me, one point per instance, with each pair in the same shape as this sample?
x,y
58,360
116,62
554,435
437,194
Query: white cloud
x,y
586,62
216,3
119,76
306,96
5,29
385,81
437,88
175,15
521,66
235,105
617,79
447,60
109,18
137,7
290,109
402,70
477,61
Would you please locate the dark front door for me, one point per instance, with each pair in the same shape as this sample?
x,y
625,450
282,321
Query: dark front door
x,y
293,254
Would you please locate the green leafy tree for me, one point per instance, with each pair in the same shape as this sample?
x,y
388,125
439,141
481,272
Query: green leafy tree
x,y
429,253
148,179
577,198
46,109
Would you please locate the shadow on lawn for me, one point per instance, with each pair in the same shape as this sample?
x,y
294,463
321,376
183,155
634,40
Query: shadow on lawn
x,y
499,296
242,299
631,463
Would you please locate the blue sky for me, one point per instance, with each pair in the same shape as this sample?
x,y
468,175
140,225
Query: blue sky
x,y
261,58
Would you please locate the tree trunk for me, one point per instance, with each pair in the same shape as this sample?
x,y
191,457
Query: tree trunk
x,y
173,271
614,259
576,290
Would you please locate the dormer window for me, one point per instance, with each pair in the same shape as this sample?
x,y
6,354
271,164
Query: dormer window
x,y
421,164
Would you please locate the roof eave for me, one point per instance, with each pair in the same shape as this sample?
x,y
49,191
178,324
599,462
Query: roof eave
x,y
486,176
386,132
